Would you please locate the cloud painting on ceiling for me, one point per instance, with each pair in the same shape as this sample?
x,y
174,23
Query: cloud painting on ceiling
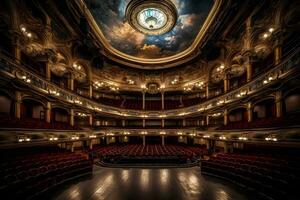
x,y
110,17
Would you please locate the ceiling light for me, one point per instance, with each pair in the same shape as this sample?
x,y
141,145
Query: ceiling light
x,y
265,35
243,138
271,30
162,86
144,133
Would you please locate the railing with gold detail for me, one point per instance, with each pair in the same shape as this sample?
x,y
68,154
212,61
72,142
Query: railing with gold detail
x,y
14,70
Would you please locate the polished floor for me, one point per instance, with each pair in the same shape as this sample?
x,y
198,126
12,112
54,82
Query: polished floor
x,y
150,184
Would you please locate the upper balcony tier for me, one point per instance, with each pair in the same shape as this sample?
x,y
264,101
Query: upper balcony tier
x,y
14,70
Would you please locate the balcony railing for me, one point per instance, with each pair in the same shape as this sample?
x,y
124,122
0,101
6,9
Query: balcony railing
x,y
14,70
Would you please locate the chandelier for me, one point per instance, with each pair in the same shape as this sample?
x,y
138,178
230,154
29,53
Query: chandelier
x,y
151,17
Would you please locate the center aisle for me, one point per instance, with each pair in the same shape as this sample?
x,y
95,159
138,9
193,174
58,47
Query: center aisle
x,y
152,184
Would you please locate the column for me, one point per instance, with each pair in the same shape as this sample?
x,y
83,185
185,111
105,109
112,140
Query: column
x,y
248,33
123,123
144,123
91,91
225,147
18,101
163,140
183,122
16,45
249,69
278,96
278,54
207,142
72,117
226,83
48,112
249,112
162,101
91,144
71,83
207,120
163,123
143,100
278,48
91,120
247,47
48,71
72,146
225,117
47,37
144,140
207,91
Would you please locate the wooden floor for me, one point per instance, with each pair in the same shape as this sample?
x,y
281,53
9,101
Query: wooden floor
x,y
149,184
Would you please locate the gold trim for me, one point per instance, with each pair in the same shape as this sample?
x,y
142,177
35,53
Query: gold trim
x,y
166,62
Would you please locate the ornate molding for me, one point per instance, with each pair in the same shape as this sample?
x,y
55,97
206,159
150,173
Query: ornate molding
x,y
8,68
158,63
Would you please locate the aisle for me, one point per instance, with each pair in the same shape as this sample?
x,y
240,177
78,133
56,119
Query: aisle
x,y
150,184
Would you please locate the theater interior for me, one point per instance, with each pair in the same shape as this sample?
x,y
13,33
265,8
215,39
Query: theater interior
x,y
150,99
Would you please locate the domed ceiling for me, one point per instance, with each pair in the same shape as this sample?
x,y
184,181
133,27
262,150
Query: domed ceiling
x,y
123,39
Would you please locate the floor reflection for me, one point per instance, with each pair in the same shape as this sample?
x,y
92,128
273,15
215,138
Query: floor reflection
x,y
152,184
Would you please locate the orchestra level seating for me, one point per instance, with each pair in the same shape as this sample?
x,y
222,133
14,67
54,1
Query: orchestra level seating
x,y
26,173
274,176
137,153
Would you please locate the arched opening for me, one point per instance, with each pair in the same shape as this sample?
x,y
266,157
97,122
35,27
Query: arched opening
x,y
61,81
32,64
60,115
216,120
291,104
237,81
263,64
31,109
6,105
238,115
264,109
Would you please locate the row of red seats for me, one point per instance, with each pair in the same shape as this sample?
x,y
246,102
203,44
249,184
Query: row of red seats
x,y
30,174
271,176
172,104
133,104
134,150
153,105
138,104
111,102
9,122
192,101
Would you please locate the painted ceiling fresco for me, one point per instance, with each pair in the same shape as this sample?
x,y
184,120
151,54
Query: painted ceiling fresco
x,y
110,17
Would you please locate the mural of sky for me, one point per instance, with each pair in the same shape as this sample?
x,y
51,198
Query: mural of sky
x,y
110,17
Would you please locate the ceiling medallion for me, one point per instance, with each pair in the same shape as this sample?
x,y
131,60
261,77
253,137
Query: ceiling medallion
x,y
151,17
